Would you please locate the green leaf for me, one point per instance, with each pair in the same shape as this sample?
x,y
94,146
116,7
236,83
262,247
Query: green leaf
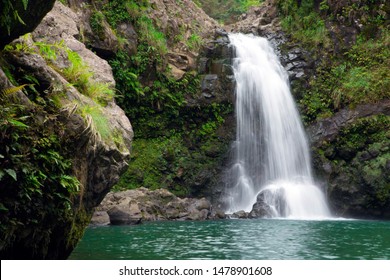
x,y
17,123
11,173
3,208
16,15
25,3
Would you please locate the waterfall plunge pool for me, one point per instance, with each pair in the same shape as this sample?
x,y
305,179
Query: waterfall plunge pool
x,y
280,239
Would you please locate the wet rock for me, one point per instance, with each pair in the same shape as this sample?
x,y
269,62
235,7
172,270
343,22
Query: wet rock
x,y
100,218
217,214
198,215
260,210
209,85
128,207
327,129
127,31
123,216
240,215
355,171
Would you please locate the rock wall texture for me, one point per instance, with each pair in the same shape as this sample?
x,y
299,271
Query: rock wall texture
x,y
93,131
352,158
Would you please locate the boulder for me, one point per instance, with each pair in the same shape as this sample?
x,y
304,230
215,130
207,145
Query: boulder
x,y
133,205
100,218
240,215
124,216
260,209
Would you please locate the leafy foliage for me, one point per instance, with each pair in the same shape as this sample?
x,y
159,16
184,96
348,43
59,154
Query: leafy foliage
x,y
96,22
9,14
361,153
349,71
304,23
226,11
81,76
351,79
37,185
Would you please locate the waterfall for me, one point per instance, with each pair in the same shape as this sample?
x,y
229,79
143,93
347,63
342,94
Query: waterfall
x,y
271,150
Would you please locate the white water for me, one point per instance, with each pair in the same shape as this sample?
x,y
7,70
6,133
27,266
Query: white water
x,y
271,149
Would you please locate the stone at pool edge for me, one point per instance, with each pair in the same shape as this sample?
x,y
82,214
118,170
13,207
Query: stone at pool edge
x,y
100,218
132,206
121,216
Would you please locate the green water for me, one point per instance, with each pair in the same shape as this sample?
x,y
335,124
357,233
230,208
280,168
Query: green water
x,y
238,239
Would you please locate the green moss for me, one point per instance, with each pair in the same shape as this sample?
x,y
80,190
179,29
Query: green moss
x,y
349,72
304,23
362,153
79,223
194,42
154,163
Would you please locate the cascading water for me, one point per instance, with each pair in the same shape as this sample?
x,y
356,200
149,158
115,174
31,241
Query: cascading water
x,y
272,157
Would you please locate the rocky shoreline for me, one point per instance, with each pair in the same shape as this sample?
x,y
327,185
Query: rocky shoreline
x,y
136,206
133,207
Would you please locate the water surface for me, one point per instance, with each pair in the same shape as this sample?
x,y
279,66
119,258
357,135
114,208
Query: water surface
x,y
238,239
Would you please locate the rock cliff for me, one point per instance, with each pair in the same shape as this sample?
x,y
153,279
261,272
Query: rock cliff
x,y
352,157
66,142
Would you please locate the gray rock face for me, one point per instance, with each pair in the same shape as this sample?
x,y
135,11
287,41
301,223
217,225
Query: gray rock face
x,y
215,64
124,216
329,128
100,218
240,215
260,208
99,161
61,25
351,154
134,206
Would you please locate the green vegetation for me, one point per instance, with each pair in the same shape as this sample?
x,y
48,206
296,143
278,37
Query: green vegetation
x,y
350,79
80,75
96,22
167,130
304,23
361,153
36,177
226,11
194,42
9,14
350,71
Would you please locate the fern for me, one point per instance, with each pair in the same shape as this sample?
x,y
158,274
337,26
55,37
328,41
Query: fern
x,y
12,90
